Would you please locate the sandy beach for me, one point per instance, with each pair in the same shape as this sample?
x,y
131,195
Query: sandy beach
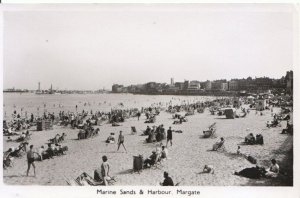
x,y
188,155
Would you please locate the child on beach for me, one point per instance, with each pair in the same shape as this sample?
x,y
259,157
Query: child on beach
x,y
105,170
239,150
121,141
208,169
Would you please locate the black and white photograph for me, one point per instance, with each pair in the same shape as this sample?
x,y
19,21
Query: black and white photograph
x,y
149,95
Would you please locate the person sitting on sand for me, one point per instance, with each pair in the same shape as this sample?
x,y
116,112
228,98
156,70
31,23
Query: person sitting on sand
x,y
167,181
162,131
56,138
218,145
59,150
111,138
158,152
273,171
151,160
7,153
41,151
23,136
208,169
147,131
275,122
50,151
288,129
7,158
27,134
250,139
23,145
238,151
151,135
164,153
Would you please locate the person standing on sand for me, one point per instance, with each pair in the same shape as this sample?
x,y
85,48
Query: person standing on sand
x,y
169,136
105,170
30,160
121,141
138,115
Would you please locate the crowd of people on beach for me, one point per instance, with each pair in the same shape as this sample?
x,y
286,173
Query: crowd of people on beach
x,y
88,122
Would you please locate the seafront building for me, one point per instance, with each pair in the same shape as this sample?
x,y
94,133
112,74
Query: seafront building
x,y
222,87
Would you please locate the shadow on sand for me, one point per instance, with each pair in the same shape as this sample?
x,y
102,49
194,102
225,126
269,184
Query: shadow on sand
x,y
12,176
125,172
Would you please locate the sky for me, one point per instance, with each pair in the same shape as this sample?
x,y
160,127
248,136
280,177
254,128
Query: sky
x,y
92,47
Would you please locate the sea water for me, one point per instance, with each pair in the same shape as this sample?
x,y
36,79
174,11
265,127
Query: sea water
x,y
27,103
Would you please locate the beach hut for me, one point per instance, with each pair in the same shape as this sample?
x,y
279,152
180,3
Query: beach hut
x,y
230,113
261,104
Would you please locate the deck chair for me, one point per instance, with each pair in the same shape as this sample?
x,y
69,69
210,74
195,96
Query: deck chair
x,y
219,147
133,130
158,164
86,180
82,180
178,183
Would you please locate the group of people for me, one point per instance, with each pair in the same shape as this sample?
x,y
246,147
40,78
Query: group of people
x,y
8,156
87,132
58,138
25,136
156,134
41,154
157,155
251,139
258,172
179,119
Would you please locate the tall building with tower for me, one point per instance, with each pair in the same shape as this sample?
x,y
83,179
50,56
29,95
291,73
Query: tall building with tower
x,y
172,82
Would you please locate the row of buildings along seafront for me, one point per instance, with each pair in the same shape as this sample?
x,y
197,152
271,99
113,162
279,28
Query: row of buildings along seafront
x,y
219,87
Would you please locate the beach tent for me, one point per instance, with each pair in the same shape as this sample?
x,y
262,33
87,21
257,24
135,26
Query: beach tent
x,y
230,113
261,104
